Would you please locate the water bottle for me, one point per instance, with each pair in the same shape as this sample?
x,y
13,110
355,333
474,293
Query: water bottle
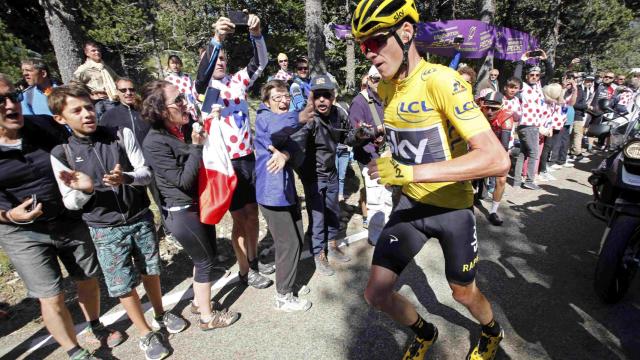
x,y
297,99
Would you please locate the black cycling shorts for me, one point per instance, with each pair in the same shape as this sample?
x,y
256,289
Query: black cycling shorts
x,y
412,223
245,193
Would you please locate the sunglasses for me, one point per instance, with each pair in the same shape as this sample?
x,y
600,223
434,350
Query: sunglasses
x,y
279,98
281,61
178,101
124,90
607,77
323,93
493,74
373,44
374,80
303,68
534,75
15,97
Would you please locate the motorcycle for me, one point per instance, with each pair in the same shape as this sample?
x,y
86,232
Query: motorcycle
x,y
616,201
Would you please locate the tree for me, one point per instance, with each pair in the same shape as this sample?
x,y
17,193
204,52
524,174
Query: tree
x,y
487,14
315,36
63,33
11,51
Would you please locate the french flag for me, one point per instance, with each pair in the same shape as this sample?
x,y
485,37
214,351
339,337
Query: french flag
x,y
217,180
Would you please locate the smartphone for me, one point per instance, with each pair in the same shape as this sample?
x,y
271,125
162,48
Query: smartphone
x,y
458,40
239,17
34,203
535,53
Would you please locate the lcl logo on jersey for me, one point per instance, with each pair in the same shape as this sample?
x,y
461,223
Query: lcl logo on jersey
x,y
405,110
463,112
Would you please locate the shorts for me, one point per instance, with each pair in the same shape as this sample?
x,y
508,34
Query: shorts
x,y
125,252
245,192
410,226
34,251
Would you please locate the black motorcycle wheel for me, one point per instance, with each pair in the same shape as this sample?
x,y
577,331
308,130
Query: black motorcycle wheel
x,y
617,264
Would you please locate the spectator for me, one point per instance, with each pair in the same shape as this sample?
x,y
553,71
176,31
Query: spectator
x,y
301,78
212,72
491,82
98,77
36,74
36,231
554,115
320,139
367,138
468,74
283,73
175,153
560,148
530,121
276,192
605,90
102,172
185,85
580,107
502,123
343,153
126,113
620,79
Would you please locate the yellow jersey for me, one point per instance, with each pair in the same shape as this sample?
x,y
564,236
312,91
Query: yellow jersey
x,y
429,116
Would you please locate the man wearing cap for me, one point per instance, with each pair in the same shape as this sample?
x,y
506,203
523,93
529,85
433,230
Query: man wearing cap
x,y
532,108
580,107
502,121
319,138
367,138
283,74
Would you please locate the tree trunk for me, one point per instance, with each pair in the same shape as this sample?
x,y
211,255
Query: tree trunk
x,y
350,85
554,37
63,34
315,36
487,14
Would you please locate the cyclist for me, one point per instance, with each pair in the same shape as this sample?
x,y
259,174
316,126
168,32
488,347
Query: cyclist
x,y
439,140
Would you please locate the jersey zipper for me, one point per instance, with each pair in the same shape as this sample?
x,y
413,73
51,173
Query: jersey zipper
x,y
113,189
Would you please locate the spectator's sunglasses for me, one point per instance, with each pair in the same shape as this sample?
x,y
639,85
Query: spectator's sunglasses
x,y
607,77
179,100
303,68
283,61
374,79
374,43
323,93
15,97
493,74
124,90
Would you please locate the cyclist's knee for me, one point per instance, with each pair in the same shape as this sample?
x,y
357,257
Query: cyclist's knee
x,y
376,297
464,294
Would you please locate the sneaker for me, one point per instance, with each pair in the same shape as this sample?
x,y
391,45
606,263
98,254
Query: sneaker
x,y
545,176
83,354
153,346
530,186
170,321
336,254
219,319
568,165
571,158
291,303
266,269
419,347
300,290
555,167
253,278
102,335
322,265
365,223
194,310
494,219
487,347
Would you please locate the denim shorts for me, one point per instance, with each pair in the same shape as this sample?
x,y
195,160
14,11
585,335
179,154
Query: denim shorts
x,y
34,251
125,252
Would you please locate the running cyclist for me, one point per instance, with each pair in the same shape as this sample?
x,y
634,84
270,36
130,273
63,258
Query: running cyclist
x,y
439,140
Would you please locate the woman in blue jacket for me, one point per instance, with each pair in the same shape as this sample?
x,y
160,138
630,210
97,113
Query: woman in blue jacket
x,y
275,188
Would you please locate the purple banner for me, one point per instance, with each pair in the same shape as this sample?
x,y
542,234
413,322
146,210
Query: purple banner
x,y
479,39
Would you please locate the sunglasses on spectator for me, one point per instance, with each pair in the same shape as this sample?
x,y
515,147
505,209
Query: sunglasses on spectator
x,y
279,98
303,68
178,101
15,97
281,61
323,93
124,90
373,44
607,77
534,75
493,74
374,79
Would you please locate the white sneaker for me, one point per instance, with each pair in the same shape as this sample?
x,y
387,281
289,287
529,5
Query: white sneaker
x,y
290,303
571,159
568,165
545,176
556,167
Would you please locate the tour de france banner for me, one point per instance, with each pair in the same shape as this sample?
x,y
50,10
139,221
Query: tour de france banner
x,y
479,38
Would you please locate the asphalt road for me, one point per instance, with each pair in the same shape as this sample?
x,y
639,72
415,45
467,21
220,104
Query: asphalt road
x,y
536,271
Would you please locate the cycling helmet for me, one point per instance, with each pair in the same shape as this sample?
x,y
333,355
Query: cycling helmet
x,y
373,15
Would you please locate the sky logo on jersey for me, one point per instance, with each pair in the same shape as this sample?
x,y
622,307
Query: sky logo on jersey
x,y
465,111
417,146
406,110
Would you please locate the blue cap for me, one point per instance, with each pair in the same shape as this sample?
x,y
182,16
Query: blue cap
x,y
322,82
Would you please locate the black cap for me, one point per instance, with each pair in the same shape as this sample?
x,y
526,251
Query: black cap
x,y
493,98
322,82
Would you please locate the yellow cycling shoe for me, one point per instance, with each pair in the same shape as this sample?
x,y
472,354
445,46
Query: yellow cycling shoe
x,y
487,347
419,347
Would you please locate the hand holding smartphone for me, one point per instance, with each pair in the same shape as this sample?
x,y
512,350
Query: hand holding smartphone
x,y
239,18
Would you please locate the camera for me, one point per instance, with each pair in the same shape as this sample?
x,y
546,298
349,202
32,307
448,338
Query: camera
x,y
365,133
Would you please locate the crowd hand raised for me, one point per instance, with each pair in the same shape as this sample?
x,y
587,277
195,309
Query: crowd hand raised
x,y
77,180
223,27
254,25
23,213
390,172
543,56
115,177
198,135
308,113
277,161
